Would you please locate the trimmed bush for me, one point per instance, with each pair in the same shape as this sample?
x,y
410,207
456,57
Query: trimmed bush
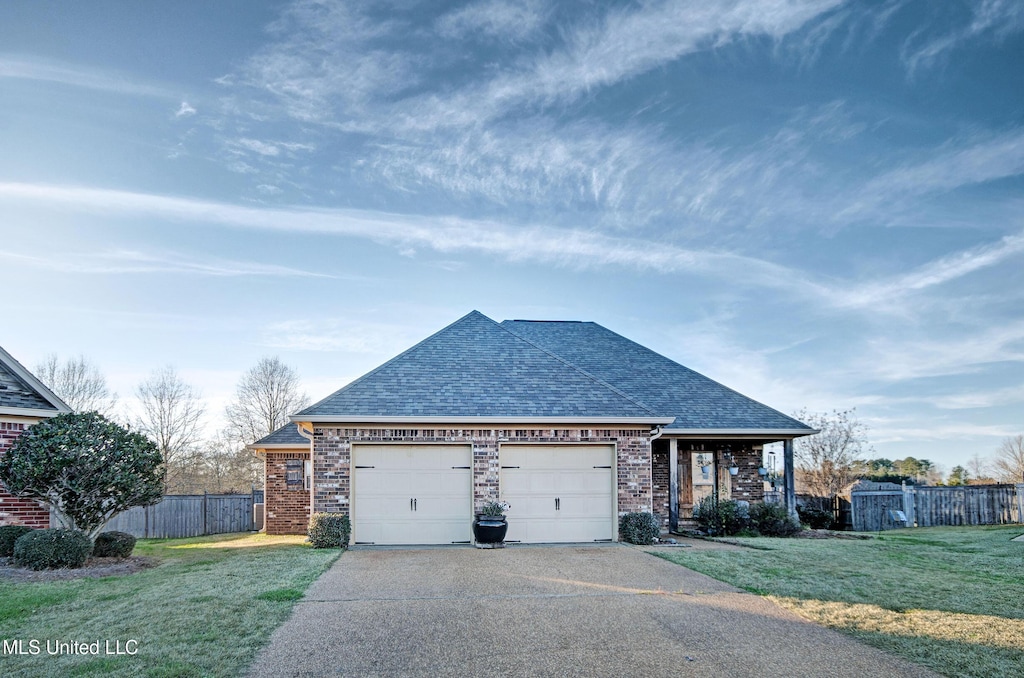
x,y
722,518
329,531
639,528
113,544
8,535
772,520
815,518
51,549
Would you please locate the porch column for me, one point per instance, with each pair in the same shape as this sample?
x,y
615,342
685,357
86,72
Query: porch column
x,y
673,484
788,477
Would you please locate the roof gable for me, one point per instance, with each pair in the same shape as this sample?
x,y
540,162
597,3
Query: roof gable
x,y
286,435
21,393
663,385
476,368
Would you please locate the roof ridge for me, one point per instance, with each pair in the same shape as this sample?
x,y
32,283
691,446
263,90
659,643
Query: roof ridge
x,y
688,369
582,371
388,362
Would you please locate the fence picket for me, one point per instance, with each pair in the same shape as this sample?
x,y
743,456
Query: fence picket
x,y
929,506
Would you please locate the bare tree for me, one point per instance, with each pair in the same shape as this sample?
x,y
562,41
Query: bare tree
x,y
171,415
78,382
265,396
1009,462
826,460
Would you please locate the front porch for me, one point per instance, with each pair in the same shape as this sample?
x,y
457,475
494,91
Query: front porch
x,y
736,465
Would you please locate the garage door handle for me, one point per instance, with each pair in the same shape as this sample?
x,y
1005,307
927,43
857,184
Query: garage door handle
x,y
414,507
509,467
465,467
602,467
558,504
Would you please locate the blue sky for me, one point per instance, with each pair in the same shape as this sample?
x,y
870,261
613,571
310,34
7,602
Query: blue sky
x,y
816,203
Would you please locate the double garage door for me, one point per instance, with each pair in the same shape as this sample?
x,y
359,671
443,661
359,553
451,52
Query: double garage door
x,y
423,494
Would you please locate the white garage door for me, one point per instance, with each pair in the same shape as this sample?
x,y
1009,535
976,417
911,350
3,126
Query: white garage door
x,y
559,493
412,494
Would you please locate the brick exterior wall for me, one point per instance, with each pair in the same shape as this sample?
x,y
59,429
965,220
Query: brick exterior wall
x,y
332,453
286,509
747,484
13,510
660,479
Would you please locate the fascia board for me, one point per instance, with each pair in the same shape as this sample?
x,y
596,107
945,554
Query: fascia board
x,y
346,419
747,433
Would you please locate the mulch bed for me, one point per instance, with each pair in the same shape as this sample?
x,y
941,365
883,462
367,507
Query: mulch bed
x,y
94,567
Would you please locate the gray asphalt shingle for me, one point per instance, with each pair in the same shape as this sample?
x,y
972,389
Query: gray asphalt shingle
x,y
16,393
474,368
664,385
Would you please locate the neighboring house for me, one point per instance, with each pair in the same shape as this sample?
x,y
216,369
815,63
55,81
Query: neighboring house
x,y
24,400
571,424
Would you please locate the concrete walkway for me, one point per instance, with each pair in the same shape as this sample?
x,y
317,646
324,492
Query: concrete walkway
x,y
608,610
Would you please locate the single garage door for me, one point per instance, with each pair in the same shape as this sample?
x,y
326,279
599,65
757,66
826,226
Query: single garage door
x,y
559,493
412,494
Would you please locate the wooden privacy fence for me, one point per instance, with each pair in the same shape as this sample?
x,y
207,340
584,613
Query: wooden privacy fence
x,y
886,509
189,515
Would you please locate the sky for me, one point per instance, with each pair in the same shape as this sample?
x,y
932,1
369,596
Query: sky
x,y
817,203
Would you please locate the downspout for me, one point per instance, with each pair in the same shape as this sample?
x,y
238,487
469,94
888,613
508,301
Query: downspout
x,y
308,435
655,433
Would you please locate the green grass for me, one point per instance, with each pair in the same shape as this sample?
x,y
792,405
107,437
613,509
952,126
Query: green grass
x,y
949,598
206,610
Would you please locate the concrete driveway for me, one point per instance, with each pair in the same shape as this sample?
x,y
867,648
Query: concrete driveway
x,y
609,610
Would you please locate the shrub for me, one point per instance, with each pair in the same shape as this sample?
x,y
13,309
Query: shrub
x,y
772,520
639,528
724,517
329,531
815,518
113,544
50,549
8,535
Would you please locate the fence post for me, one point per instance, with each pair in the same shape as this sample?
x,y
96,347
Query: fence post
x,y
1020,502
910,504
206,529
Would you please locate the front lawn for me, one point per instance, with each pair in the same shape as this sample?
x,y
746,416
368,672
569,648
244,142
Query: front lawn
x,y
206,610
949,598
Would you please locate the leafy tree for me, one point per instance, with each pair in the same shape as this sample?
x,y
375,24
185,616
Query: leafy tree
x,y
85,467
826,460
1009,462
958,476
78,382
171,416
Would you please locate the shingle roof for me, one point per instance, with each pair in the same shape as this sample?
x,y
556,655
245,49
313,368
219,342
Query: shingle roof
x,y
17,392
476,368
661,384
286,435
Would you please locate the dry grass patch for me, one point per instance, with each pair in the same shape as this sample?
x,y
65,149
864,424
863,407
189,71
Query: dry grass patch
x,y
949,598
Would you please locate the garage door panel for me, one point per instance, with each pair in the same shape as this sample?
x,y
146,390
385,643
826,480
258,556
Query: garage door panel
x,y
585,507
391,476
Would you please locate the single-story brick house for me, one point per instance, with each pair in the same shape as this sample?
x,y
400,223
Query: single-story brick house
x,y
568,422
24,400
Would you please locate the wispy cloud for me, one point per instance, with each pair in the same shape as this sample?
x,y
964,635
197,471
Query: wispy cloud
x,y
993,19
566,247
337,335
73,75
494,20
185,110
129,262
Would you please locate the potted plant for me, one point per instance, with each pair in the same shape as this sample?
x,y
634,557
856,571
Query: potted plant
x,y
490,525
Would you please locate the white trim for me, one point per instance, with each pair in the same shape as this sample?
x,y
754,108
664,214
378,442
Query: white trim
x,y
280,446
34,383
738,432
542,421
29,412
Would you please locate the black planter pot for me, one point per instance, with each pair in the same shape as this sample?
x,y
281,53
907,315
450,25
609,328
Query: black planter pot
x,y
490,529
